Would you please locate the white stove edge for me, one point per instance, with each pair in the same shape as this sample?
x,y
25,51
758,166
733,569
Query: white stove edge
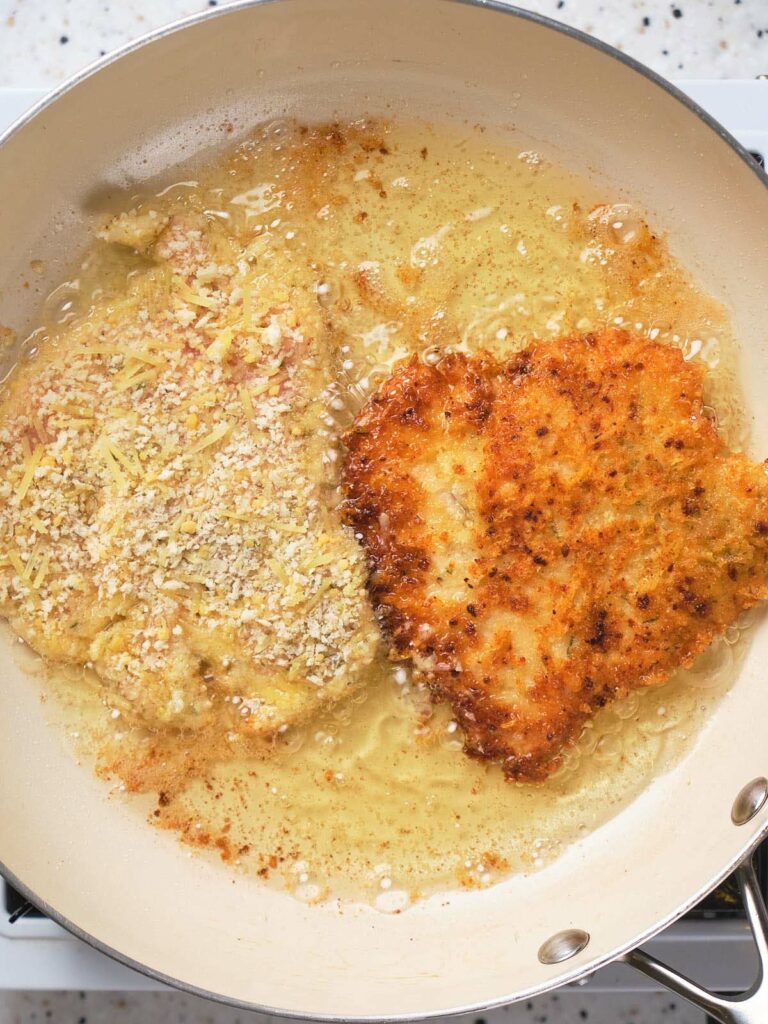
x,y
38,954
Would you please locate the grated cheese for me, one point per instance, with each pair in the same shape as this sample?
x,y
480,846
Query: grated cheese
x,y
33,462
42,572
247,403
217,434
118,524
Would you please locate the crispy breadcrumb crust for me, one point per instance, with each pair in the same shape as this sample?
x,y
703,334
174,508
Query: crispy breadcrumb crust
x,y
548,533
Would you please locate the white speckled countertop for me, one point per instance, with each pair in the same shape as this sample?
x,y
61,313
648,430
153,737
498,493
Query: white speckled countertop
x,y
44,41
175,1008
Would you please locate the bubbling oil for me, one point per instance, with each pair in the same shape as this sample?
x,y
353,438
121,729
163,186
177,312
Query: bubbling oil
x,y
421,239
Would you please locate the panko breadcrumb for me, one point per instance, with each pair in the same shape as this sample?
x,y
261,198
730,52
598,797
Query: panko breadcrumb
x,y
548,532
162,519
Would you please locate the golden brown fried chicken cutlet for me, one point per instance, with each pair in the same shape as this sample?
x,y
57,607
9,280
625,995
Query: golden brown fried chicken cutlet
x,y
548,533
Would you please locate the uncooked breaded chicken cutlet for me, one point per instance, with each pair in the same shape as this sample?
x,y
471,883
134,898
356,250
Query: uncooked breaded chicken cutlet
x,y
161,512
548,533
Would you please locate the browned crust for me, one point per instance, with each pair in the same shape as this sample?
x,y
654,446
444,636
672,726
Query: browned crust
x,y
609,535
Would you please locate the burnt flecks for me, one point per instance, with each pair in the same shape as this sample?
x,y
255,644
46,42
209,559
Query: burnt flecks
x,y
697,604
599,632
520,366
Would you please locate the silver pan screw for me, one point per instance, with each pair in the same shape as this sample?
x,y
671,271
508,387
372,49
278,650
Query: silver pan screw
x,y
749,801
563,945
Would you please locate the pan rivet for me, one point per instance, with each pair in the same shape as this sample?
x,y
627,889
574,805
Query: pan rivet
x,y
563,945
749,801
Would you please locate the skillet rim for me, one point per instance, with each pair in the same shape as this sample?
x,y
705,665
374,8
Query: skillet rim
x,y
754,838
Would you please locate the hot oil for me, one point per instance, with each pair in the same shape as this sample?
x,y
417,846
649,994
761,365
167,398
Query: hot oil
x,y
415,239
384,804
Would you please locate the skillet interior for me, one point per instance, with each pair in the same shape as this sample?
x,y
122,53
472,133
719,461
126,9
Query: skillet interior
x,y
93,860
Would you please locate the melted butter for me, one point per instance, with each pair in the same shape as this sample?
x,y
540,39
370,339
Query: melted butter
x,y
415,239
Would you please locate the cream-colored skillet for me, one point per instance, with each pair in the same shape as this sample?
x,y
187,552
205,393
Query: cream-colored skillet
x,y
134,893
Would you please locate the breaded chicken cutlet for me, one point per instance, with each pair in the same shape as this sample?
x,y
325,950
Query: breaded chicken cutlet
x,y
548,533
161,512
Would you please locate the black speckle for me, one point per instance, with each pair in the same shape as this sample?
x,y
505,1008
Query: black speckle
x,y
102,53
213,3
81,1020
560,4
759,33
677,12
63,39
598,637
583,1015
690,508
665,53
646,21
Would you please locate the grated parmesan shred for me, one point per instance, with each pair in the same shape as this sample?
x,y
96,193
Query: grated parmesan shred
x,y
162,515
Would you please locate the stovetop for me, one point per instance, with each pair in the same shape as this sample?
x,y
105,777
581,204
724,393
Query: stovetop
x,y
711,943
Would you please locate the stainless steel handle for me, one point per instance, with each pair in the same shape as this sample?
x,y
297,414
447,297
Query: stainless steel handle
x,y
751,1007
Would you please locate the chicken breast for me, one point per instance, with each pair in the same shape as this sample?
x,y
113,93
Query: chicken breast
x,y
162,513
547,533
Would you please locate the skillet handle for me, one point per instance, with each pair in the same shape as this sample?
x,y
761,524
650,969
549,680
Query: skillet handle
x,y
751,1007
